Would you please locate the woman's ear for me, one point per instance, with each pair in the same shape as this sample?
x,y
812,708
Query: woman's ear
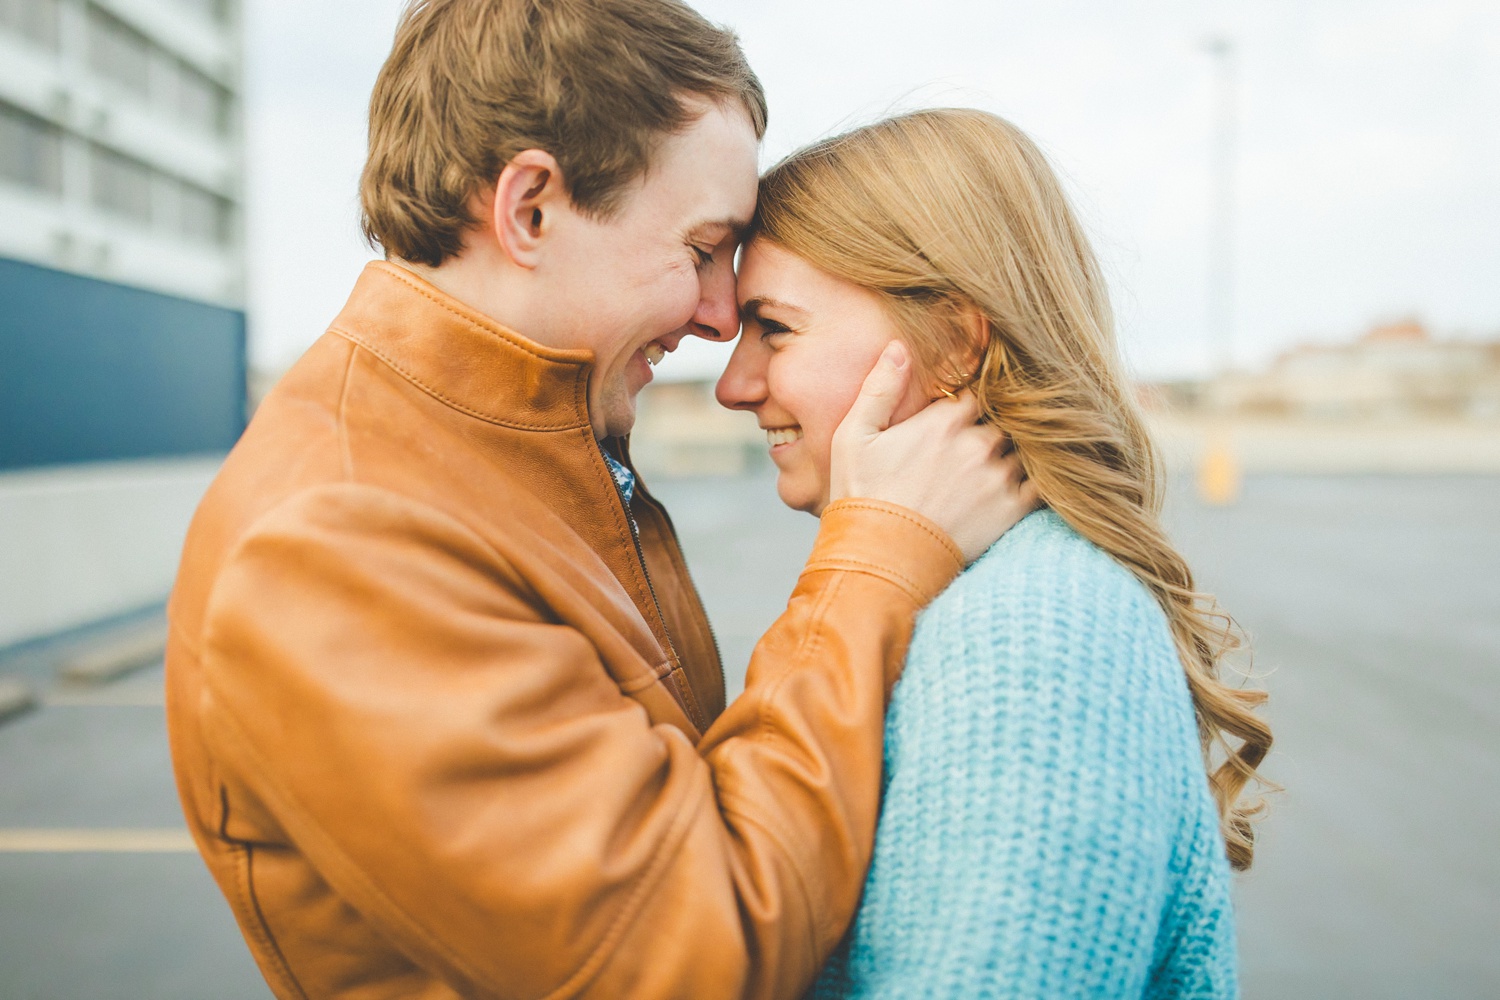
x,y
961,367
528,192
976,337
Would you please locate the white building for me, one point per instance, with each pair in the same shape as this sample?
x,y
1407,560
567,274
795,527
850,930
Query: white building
x,y
122,283
121,154
1395,370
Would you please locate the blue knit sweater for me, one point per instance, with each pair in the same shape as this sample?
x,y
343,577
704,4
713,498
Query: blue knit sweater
x,y
1047,829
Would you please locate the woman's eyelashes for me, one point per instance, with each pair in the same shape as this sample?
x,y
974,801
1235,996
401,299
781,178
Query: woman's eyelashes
x,y
770,328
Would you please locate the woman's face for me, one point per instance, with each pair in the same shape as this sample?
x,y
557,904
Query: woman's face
x,y
808,341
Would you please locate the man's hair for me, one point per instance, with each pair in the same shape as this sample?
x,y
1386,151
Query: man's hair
x,y
469,84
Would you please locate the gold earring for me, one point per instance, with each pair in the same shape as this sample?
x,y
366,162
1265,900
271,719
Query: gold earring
x,y
961,381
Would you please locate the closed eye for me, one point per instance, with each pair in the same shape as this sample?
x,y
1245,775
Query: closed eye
x,y
705,257
770,328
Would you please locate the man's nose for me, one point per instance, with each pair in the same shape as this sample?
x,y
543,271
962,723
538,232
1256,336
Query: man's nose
x,y
717,316
743,384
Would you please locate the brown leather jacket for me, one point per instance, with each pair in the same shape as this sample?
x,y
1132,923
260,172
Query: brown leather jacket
x,y
443,726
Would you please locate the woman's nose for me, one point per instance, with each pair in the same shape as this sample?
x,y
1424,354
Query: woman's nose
x,y
743,384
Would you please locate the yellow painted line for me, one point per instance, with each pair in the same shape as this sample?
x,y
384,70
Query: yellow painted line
x,y
92,841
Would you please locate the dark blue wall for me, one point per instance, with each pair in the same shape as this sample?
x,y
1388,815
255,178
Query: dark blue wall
x,y
94,371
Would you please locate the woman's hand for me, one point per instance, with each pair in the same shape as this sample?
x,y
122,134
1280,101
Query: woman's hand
x,y
961,475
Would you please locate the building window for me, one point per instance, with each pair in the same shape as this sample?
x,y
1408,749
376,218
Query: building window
x,y
205,216
118,52
124,56
30,151
199,101
216,11
121,185
33,20
192,213
134,191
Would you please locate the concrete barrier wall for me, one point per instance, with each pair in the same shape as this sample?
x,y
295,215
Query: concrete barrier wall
x,y
1335,447
84,542
93,371
117,405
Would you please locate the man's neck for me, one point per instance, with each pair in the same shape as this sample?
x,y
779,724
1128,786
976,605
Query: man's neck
x,y
491,291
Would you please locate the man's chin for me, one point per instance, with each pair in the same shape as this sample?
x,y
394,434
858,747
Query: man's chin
x,y
613,411
615,418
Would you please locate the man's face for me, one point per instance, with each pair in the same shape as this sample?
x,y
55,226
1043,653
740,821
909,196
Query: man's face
x,y
662,267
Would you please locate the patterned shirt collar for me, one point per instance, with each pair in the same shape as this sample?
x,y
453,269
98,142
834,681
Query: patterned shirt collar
x,y
624,479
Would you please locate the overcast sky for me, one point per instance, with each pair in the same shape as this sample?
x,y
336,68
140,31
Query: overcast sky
x,y
1369,137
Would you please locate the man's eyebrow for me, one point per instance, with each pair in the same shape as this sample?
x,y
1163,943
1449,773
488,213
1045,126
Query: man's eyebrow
x,y
735,227
752,307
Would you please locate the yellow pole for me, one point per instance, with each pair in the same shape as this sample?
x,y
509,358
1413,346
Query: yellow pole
x,y
1219,473
1218,467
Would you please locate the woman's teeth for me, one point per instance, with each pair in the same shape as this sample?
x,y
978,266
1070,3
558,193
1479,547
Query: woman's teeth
x,y
782,435
654,353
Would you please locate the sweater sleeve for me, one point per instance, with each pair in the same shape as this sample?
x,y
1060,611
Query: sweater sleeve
x,y
1043,776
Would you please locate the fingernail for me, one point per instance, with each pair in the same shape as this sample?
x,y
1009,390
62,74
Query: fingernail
x,y
894,355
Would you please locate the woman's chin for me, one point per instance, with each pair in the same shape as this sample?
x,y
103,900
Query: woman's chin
x,y
798,497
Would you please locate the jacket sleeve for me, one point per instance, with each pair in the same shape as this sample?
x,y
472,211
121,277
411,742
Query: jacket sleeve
x,y
462,771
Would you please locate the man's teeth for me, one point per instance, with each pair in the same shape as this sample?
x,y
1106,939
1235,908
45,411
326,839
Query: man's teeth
x,y
654,353
782,435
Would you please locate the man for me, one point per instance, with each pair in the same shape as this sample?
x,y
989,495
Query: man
x,y
446,714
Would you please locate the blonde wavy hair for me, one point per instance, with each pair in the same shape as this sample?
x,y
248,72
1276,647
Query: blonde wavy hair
x,y
945,212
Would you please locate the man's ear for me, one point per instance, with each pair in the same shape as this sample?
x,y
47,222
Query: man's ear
x,y
527,194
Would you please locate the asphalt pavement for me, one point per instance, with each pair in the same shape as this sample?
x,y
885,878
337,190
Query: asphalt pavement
x,y
1374,604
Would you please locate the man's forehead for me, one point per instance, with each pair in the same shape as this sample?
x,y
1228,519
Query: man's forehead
x,y
710,169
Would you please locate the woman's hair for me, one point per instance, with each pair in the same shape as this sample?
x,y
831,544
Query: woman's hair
x,y
950,212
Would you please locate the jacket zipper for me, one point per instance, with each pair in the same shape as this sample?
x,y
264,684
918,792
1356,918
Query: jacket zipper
x,y
640,555
713,636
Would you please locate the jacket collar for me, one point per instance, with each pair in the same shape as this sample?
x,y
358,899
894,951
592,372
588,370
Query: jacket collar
x,y
535,401
463,358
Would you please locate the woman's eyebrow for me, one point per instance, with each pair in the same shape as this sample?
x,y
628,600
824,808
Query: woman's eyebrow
x,y
750,308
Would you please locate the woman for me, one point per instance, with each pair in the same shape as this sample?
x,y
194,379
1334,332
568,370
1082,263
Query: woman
x,y
1064,767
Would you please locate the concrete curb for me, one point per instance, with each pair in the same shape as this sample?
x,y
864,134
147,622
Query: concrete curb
x,y
16,696
169,840
117,654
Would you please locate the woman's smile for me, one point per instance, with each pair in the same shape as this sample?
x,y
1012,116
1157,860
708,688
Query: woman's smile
x,y
780,437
